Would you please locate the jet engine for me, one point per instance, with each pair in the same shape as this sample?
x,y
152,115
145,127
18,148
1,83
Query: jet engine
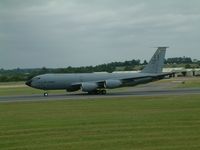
x,y
110,84
73,88
89,86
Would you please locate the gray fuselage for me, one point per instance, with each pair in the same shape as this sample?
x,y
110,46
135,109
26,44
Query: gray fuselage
x,y
66,81
98,82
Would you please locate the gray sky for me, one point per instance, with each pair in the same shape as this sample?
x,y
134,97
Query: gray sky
x,y
60,33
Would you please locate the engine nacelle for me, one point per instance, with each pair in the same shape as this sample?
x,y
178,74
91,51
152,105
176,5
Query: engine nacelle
x,y
89,86
110,84
73,88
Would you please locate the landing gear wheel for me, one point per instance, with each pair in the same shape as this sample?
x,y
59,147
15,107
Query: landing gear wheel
x,y
103,92
97,92
45,94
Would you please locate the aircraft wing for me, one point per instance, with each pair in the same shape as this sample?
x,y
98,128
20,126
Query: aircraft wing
x,y
130,80
152,76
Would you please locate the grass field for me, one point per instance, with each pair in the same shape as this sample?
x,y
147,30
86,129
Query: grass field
x,y
19,88
141,123
190,82
183,82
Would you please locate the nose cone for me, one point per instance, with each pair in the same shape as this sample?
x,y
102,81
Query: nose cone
x,y
28,82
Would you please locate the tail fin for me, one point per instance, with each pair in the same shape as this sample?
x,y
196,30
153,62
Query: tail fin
x,y
157,62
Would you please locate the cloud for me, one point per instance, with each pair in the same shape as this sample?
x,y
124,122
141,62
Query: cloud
x,y
58,33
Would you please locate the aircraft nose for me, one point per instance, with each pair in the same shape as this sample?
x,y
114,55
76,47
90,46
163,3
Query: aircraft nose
x,y
28,82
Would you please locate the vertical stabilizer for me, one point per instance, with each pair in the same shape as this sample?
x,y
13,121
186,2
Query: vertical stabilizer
x,y
156,63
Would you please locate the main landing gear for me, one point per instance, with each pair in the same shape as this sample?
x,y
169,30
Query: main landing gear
x,y
103,92
98,92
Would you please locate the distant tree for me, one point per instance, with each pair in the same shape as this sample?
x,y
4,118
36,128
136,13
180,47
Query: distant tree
x,y
128,68
4,79
19,74
198,63
179,60
145,62
187,66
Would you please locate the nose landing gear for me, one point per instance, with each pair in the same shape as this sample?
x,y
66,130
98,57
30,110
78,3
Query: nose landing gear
x,y
46,94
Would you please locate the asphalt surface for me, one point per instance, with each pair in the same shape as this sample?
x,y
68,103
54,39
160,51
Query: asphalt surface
x,y
141,92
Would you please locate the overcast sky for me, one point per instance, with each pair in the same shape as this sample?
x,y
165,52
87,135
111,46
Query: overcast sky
x,y
61,33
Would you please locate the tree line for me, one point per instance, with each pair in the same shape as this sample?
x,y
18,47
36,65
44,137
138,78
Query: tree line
x,y
25,74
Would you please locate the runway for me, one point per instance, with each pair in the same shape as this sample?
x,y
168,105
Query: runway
x,y
135,93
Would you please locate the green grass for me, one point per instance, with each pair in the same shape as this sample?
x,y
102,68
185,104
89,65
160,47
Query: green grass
x,y
183,82
18,91
19,88
12,83
190,84
141,123
24,91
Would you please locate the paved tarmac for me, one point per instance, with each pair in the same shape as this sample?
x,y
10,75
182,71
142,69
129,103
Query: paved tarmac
x,y
131,92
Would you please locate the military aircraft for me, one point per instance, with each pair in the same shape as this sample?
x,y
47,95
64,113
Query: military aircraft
x,y
97,83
